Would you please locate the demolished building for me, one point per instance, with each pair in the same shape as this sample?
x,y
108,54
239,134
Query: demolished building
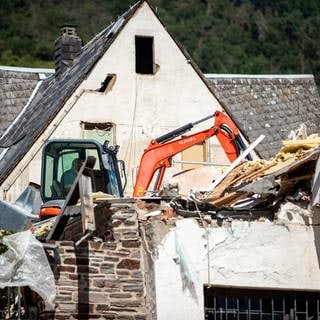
x,y
254,248
247,248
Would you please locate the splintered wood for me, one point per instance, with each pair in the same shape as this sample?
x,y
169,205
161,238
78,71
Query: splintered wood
x,y
221,188
226,193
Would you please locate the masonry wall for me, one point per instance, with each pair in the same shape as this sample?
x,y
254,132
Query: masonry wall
x,y
104,278
243,254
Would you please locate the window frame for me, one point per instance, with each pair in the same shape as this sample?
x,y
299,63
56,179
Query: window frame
x,y
228,304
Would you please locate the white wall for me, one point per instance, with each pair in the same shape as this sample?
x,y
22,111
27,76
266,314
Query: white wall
x,y
142,106
248,254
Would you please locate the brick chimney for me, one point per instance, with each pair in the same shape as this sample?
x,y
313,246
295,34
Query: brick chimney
x,y
67,47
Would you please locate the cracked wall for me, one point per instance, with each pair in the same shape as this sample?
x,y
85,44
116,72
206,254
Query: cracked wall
x,y
259,254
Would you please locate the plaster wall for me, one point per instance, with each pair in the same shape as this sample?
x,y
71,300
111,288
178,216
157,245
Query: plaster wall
x,y
247,254
142,107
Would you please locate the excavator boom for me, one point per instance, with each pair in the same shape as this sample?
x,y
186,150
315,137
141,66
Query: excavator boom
x,y
157,156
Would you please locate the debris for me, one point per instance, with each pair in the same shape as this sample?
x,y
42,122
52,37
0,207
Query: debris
x,y
153,214
293,213
294,146
260,188
238,160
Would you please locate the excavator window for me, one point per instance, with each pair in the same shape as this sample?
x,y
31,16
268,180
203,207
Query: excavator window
x,y
60,161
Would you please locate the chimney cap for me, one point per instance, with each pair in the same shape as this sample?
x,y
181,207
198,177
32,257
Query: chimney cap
x,y
68,29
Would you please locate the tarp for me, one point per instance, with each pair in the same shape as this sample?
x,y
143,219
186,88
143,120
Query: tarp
x,y
26,264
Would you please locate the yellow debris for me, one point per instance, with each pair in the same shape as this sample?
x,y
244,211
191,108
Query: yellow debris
x,y
313,141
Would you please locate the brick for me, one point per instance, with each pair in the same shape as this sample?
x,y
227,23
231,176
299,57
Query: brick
x,y
107,283
140,317
97,297
102,307
123,272
68,268
133,288
111,259
107,268
71,261
122,310
119,253
129,264
109,245
74,276
126,303
110,315
131,243
67,307
120,295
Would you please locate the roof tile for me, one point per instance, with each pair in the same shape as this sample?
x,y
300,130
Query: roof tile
x,y
269,105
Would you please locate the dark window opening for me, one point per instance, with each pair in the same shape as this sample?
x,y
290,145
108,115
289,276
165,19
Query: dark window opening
x,y
244,304
144,55
104,131
108,83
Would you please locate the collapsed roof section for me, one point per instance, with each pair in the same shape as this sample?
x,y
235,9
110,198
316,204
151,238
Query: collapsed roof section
x,y
256,189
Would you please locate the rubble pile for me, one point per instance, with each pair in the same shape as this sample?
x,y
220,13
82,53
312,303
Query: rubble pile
x,y
258,188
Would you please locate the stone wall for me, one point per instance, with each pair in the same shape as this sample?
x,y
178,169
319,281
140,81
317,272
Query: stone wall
x,y
104,278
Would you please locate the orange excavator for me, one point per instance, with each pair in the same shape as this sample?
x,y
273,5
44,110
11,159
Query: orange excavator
x,y
159,153
108,176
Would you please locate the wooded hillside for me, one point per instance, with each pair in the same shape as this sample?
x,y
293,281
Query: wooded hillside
x,y
222,36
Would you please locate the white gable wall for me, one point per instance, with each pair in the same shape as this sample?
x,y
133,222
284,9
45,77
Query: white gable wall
x,y
141,106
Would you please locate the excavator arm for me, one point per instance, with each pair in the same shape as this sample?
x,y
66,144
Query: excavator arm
x,y
158,155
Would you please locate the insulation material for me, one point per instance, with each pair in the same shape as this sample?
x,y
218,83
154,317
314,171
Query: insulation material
x,y
311,142
25,264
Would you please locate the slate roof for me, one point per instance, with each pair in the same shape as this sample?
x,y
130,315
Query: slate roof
x,y
271,105
51,96
16,87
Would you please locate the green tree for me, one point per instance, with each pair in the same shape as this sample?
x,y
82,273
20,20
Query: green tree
x,y
235,36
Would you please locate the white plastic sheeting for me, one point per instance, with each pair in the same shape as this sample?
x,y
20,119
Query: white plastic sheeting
x,y
25,264
189,273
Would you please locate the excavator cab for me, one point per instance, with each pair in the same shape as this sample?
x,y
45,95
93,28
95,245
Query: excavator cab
x,y
61,158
